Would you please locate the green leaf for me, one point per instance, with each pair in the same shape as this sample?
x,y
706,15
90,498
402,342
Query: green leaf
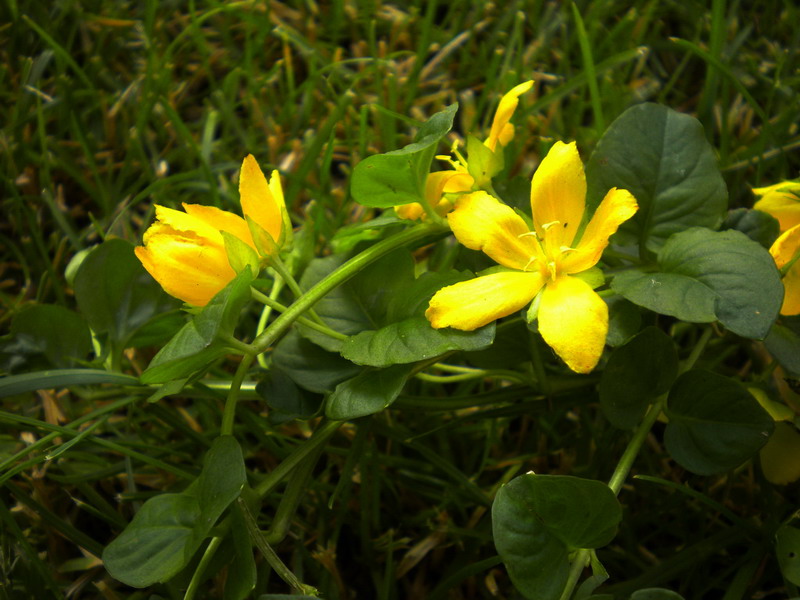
x,y
115,293
662,158
310,366
537,520
240,255
282,394
787,549
783,342
349,236
624,320
715,424
367,393
636,374
758,226
511,347
46,335
154,545
398,177
221,481
168,529
483,164
341,309
390,312
706,276
411,340
382,309
197,345
242,576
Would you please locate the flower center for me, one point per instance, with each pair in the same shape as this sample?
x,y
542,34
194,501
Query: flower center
x,y
549,251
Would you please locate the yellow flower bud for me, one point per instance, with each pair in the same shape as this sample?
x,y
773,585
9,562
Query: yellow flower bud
x,y
185,251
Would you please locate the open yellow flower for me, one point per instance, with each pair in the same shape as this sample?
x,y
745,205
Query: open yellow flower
x,y
459,180
185,251
786,252
782,201
573,319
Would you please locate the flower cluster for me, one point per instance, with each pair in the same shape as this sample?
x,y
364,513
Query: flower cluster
x,y
188,252
544,263
458,180
782,201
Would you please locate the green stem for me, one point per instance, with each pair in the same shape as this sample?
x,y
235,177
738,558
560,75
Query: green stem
x,y
277,286
296,490
631,452
275,476
197,578
339,276
270,303
233,395
235,344
269,554
283,271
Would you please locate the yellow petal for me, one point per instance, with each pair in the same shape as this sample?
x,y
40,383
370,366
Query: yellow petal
x,y
776,410
471,304
785,250
481,222
617,207
791,297
784,206
437,185
412,210
221,220
458,181
259,199
558,194
186,224
508,104
780,457
573,320
189,269
786,186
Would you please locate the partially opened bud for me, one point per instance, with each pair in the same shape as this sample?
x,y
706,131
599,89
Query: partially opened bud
x,y
263,206
185,251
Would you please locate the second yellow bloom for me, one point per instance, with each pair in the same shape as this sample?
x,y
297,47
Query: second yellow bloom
x,y
573,319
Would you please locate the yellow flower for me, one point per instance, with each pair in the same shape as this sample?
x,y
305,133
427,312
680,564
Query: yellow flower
x,y
262,201
502,130
436,186
185,251
447,182
782,201
786,252
573,319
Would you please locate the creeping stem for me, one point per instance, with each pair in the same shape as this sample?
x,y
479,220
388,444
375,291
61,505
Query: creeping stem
x,y
305,301
271,334
626,460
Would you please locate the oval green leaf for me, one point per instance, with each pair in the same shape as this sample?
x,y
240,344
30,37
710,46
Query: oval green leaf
x,y
398,177
115,293
367,393
787,549
715,424
538,519
636,374
707,276
166,532
411,340
662,158
197,345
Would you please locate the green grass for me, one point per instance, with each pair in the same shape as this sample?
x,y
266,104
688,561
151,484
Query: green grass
x,y
111,107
